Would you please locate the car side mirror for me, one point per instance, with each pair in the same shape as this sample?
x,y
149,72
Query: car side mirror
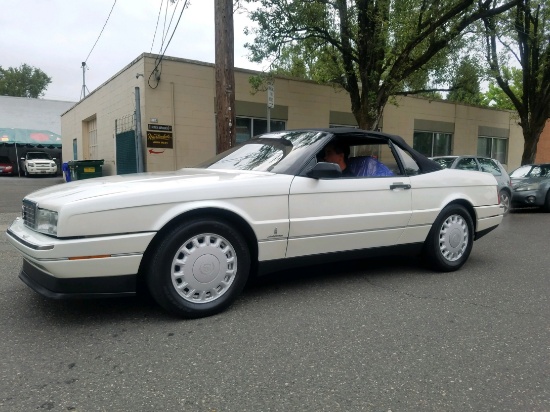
x,y
325,170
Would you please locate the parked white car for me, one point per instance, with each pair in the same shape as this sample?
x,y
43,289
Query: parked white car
x,y
193,236
38,163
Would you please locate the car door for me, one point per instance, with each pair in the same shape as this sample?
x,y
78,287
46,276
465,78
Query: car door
x,y
342,214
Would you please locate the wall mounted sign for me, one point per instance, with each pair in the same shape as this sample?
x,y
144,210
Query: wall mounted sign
x,y
160,127
160,140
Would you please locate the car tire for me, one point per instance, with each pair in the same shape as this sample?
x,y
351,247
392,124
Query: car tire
x,y
199,268
546,206
450,239
505,200
27,173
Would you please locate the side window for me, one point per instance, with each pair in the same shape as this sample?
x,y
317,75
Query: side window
x,y
373,160
535,171
490,166
363,161
467,163
410,165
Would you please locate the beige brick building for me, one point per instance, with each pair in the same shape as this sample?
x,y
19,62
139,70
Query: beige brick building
x,y
178,117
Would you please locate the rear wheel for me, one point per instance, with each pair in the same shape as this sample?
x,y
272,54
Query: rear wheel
x,y
450,240
546,206
199,268
505,200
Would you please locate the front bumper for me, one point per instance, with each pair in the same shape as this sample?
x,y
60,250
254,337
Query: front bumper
x,y
42,170
76,288
527,198
81,267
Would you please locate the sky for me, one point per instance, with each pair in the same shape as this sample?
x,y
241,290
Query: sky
x,y
56,36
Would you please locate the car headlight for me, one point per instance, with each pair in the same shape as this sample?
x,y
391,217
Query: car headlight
x,y
52,164
530,186
31,164
46,221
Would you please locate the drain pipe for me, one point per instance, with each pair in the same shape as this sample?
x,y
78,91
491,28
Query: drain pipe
x,y
139,151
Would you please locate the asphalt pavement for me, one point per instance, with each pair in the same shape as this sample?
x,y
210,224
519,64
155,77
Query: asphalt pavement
x,y
372,335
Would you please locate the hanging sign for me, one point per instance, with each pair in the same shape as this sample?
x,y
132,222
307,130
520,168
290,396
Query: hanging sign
x,y
160,140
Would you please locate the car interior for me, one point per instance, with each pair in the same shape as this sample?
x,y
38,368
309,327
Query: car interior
x,y
373,158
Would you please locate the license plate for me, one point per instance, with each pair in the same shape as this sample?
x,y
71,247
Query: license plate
x,y
89,169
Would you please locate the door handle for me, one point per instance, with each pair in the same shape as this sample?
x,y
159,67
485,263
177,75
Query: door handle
x,y
399,185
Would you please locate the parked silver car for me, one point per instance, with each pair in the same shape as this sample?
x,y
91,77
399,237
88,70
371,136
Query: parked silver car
x,y
484,164
531,184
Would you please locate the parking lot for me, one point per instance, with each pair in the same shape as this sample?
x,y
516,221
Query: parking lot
x,y
371,335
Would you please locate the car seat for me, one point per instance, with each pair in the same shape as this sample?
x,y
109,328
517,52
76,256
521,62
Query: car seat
x,y
368,166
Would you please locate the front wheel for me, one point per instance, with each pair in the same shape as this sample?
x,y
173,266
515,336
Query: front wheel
x,y
546,206
199,268
505,200
450,240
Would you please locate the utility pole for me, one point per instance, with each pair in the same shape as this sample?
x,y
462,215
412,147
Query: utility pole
x,y
84,88
225,75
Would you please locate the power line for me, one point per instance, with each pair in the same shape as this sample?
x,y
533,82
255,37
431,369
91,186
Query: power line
x,y
156,27
101,31
157,77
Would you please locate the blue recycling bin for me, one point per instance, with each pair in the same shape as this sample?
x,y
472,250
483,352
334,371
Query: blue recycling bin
x,y
66,171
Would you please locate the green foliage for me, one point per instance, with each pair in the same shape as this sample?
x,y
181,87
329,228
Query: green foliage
x,y
25,81
522,35
373,49
466,84
496,97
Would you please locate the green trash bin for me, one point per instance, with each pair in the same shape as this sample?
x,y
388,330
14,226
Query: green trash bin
x,y
85,169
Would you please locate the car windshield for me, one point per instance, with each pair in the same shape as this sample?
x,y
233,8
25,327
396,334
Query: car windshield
x,y
444,162
4,159
273,152
37,155
531,171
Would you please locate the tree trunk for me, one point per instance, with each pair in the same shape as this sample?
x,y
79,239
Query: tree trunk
x,y
531,140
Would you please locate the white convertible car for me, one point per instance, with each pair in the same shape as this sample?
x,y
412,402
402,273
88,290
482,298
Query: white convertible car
x,y
194,236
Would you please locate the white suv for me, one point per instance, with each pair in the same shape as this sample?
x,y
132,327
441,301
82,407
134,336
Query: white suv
x,y
39,163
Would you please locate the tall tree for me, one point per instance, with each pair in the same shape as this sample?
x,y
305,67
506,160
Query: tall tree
x,y
524,33
496,97
24,81
466,84
375,47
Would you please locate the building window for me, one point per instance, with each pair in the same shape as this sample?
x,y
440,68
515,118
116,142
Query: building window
x,y
433,143
92,139
247,127
75,150
494,147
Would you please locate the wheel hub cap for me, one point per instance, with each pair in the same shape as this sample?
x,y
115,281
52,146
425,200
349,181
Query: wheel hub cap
x,y
204,268
453,238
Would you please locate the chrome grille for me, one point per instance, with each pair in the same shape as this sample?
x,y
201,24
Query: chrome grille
x,y
29,213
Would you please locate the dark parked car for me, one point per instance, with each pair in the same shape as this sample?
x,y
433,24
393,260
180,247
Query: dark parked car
x,y
484,164
531,184
6,166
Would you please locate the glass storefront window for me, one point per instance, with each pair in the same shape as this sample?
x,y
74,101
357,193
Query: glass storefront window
x,y
493,147
432,143
247,127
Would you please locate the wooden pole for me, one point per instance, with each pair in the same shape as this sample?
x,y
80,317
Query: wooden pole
x,y
225,76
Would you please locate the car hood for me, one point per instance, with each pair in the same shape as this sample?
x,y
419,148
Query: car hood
x,y
155,188
518,181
